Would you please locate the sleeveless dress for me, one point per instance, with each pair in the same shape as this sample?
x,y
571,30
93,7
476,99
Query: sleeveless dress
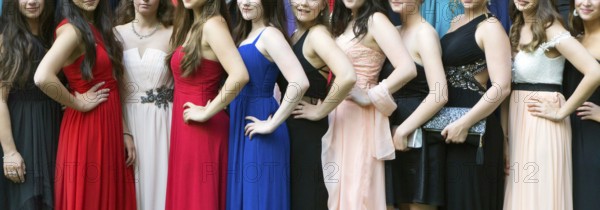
x,y
540,149
586,158
415,176
90,164
35,125
469,185
358,140
307,185
148,106
198,156
258,170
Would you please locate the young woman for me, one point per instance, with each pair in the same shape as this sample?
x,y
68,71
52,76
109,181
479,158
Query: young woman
x,y
585,123
354,150
539,130
259,152
475,52
92,170
417,173
202,47
29,122
318,54
144,27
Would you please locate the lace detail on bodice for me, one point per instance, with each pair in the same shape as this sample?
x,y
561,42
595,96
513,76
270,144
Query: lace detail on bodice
x,y
464,76
535,67
367,62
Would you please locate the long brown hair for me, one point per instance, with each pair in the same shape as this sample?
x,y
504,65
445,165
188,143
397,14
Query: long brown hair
x,y
576,26
274,14
342,17
103,22
546,14
20,50
126,12
185,23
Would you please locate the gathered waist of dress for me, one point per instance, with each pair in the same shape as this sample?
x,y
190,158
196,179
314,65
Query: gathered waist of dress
x,y
83,86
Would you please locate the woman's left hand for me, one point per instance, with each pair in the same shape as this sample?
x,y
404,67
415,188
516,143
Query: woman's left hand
x,y
359,96
305,110
545,108
130,150
258,126
194,112
589,111
456,132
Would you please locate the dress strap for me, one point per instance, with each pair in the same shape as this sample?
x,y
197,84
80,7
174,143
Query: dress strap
x,y
554,41
258,37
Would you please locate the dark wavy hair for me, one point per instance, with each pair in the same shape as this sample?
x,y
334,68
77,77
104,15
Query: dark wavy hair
x,y
546,14
126,12
103,22
576,26
342,17
20,50
184,24
274,15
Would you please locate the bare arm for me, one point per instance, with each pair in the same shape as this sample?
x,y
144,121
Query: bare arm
x,y
66,43
389,40
281,52
13,163
320,40
496,45
221,43
572,50
431,53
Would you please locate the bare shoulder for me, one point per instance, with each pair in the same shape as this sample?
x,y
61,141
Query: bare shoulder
x,y
319,31
272,33
555,29
426,32
68,29
215,21
378,18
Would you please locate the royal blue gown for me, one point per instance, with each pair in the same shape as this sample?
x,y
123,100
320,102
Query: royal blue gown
x,y
258,169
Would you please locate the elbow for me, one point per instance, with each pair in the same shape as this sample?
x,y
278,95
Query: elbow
x,y
411,70
346,80
595,76
242,80
504,89
39,79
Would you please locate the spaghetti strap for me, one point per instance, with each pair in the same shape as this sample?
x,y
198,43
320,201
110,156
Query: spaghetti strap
x,y
258,37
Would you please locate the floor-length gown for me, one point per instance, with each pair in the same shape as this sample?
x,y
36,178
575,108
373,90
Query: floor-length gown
x,y
35,122
307,185
585,144
90,165
148,107
353,161
539,149
198,157
416,175
469,185
258,170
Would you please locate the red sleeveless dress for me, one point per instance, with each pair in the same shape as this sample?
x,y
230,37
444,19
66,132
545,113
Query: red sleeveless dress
x,y
90,165
198,155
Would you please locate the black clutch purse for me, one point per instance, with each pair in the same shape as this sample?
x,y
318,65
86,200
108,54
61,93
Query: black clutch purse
x,y
450,114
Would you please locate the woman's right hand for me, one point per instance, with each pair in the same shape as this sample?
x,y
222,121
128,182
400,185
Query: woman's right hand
x,y
14,167
92,98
